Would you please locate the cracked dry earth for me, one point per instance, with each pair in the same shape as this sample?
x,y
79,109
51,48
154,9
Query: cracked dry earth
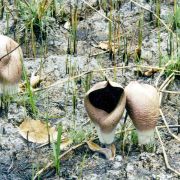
x,y
19,160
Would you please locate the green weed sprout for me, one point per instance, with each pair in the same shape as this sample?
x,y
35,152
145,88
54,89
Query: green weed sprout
x,y
56,150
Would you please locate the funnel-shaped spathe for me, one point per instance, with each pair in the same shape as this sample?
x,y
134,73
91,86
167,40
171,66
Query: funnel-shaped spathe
x,y
105,103
142,104
10,65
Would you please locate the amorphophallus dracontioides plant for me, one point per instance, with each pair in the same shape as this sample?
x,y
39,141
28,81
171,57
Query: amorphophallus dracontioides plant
x,y
10,65
105,104
142,104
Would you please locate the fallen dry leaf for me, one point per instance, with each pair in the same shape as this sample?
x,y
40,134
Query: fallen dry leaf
x,y
67,25
113,150
104,45
37,131
35,80
66,142
22,87
147,73
93,146
109,152
150,72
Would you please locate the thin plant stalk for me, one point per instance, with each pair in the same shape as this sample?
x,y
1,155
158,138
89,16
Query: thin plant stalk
x,y
138,50
175,6
1,9
30,93
159,45
88,81
54,8
110,33
33,43
119,37
125,56
26,42
74,100
74,28
158,10
57,150
7,22
115,73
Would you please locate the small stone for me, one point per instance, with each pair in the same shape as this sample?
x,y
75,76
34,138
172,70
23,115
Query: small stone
x,y
16,113
113,173
119,158
56,73
67,25
117,165
129,168
91,176
146,54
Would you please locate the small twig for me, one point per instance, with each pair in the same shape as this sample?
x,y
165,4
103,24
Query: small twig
x,y
11,166
164,154
170,92
86,123
27,3
158,78
179,123
164,85
166,82
170,126
166,124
